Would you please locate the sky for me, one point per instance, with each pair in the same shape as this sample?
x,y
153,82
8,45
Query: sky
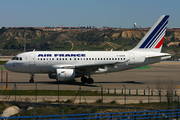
x,y
98,13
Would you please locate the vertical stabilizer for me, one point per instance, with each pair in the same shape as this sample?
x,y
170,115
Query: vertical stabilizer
x,y
153,40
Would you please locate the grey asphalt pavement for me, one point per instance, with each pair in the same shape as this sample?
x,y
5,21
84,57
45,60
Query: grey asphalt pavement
x,y
132,79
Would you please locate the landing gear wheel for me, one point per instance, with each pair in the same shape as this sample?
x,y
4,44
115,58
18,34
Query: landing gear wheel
x,y
31,80
32,77
90,81
84,79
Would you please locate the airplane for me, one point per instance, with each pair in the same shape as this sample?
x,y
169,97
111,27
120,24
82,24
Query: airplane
x,y
68,65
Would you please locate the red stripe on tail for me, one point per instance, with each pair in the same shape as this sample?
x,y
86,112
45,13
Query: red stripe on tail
x,y
160,43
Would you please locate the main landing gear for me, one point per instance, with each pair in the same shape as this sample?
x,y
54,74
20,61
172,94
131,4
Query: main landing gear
x,y
32,78
88,80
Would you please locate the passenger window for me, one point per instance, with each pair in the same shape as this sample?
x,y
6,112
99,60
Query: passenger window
x,y
65,58
109,58
69,58
78,58
118,58
101,58
44,58
41,58
57,58
106,58
74,58
89,58
38,58
62,58
17,58
52,58
115,58
86,58
124,58
92,58
112,58
20,58
49,58
95,58
121,58
98,59
81,58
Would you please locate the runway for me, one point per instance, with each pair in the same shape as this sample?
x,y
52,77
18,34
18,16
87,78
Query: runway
x,y
132,79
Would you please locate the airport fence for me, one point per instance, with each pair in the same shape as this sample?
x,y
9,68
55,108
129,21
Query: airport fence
x,y
119,95
173,114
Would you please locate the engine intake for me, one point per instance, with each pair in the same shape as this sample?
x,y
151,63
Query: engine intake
x,y
65,74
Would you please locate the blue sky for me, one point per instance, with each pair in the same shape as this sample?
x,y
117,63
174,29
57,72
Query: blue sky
x,y
99,13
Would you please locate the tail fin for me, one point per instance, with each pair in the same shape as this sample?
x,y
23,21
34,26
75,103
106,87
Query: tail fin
x,y
153,40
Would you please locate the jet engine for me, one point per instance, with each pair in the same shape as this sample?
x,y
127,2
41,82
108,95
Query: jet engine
x,y
65,74
52,75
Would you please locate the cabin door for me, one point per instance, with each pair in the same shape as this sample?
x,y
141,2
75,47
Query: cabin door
x,y
131,59
31,59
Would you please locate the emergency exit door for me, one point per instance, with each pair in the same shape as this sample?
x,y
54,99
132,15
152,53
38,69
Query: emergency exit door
x,y
31,59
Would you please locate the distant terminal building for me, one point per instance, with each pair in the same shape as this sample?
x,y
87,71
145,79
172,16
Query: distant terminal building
x,y
83,29
61,28
176,28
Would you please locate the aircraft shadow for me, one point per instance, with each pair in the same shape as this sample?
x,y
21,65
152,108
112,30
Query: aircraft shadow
x,y
72,83
131,82
57,82
75,83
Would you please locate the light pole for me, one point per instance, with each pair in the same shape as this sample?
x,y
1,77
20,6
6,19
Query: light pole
x,y
102,92
36,91
125,95
148,94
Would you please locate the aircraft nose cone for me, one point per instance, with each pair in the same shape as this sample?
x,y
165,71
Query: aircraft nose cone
x,y
7,65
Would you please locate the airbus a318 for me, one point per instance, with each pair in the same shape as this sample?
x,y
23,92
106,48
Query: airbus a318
x,y
68,65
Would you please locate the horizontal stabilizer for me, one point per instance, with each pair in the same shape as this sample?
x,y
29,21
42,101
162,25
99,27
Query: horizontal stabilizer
x,y
158,56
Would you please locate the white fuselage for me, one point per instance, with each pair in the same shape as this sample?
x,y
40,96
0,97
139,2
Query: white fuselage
x,y
43,61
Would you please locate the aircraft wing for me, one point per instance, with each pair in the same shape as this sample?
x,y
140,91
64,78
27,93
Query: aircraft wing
x,y
87,67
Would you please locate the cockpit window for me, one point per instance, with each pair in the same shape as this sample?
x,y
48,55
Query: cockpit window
x,y
13,58
17,58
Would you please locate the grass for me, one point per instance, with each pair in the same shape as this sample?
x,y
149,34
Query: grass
x,y
2,62
143,67
54,93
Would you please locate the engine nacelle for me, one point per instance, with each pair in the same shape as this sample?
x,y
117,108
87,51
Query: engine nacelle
x,y
65,74
52,75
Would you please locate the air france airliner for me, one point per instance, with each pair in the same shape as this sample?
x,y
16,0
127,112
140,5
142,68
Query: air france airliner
x,y
68,65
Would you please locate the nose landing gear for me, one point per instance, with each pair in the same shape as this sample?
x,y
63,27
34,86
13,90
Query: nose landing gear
x,y
32,78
